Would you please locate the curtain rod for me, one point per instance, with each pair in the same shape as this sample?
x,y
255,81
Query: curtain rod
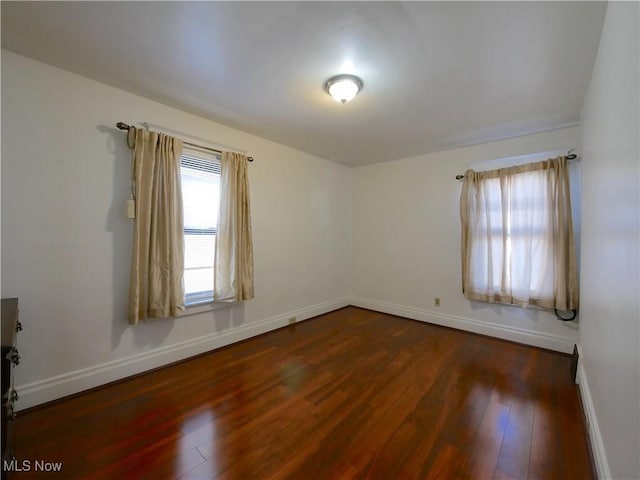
x,y
124,126
568,156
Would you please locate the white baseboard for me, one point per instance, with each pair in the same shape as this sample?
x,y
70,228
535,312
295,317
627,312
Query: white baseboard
x,y
593,428
528,337
42,391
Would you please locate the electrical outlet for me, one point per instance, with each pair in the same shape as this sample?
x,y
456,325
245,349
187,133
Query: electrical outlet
x,y
436,302
292,320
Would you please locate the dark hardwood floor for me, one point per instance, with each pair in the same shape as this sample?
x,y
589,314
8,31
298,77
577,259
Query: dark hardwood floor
x,y
350,394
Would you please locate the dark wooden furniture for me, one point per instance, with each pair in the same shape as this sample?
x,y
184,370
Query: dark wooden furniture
x,y
10,357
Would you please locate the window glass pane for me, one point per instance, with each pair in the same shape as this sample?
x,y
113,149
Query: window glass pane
x,y
201,250
198,280
200,195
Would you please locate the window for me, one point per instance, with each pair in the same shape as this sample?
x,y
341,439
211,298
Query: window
x,y
513,243
200,176
517,236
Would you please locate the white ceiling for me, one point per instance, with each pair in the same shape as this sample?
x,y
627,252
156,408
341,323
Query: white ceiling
x,y
436,74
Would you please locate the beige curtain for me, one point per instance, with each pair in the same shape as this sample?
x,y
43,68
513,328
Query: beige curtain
x,y
517,236
157,263
233,277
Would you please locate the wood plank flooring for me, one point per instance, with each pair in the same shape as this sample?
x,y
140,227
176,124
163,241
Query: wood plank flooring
x,y
350,394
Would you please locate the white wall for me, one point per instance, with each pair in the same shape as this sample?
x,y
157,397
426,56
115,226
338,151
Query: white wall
x,y
66,242
406,242
610,280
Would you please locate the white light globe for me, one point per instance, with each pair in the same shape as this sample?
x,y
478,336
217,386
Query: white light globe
x,y
343,87
343,91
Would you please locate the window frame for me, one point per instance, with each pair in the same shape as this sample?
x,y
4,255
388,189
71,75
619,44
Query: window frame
x,y
513,232
190,158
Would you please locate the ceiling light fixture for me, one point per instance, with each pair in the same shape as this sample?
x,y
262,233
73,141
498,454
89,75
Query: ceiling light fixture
x,y
343,87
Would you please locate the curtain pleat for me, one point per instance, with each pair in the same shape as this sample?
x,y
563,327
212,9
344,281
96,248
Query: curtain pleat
x,y
517,243
233,272
157,263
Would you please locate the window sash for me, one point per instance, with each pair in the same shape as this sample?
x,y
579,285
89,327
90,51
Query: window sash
x,y
200,175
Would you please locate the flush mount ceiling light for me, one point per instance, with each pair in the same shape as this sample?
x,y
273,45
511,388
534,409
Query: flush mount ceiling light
x,y
343,87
